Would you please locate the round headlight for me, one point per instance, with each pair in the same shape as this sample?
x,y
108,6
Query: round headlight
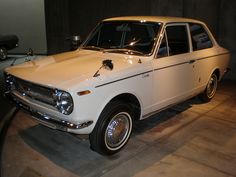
x,y
64,102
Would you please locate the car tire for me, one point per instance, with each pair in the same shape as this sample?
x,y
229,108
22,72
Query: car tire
x,y
210,89
113,128
3,53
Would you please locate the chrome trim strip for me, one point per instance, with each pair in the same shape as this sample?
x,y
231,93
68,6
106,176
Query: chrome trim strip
x,y
186,62
189,62
123,79
166,107
171,66
157,111
226,53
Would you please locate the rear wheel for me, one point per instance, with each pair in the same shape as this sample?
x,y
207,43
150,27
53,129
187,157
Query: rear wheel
x,y
210,89
113,128
3,53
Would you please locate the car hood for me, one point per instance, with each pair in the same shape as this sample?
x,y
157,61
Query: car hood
x,y
60,70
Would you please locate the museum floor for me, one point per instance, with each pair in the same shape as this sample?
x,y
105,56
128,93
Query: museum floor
x,y
189,140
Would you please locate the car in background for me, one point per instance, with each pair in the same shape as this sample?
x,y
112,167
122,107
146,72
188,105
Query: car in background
x,y
128,69
7,42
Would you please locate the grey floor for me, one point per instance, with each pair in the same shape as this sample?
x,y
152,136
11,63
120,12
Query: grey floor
x,y
189,140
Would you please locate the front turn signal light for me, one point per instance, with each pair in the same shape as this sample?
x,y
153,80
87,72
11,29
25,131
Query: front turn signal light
x,y
85,92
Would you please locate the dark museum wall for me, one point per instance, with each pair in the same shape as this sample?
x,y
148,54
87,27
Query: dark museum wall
x,y
82,16
57,25
85,15
64,18
26,19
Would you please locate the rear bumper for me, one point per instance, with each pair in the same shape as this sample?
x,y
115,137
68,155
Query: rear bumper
x,y
42,117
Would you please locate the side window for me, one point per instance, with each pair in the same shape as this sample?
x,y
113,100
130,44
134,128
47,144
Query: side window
x,y
200,38
163,49
177,37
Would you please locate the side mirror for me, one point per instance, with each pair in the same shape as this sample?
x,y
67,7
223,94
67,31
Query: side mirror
x,y
75,42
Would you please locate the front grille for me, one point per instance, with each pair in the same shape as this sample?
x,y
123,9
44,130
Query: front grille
x,y
34,91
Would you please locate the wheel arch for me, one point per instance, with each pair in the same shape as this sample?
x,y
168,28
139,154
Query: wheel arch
x,y
217,72
130,99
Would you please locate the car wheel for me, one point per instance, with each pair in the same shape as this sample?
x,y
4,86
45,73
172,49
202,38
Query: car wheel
x,y
113,129
3,53
210,89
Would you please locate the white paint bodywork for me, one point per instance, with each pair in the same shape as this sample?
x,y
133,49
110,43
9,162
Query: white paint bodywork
x,y
155,82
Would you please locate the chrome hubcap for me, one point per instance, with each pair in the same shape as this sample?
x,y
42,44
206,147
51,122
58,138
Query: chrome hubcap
x,y
211,87
118,131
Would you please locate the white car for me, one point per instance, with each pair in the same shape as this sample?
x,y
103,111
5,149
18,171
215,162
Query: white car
x,y
128,69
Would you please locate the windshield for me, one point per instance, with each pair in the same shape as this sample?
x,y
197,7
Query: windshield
x,y
134,37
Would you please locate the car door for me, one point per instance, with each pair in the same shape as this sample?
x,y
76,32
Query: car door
x,y
202,52
173,69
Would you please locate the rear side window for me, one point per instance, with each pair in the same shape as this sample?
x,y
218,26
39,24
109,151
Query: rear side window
x,y
200,38
177,37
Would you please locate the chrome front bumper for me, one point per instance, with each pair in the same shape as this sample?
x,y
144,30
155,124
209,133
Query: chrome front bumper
x,y
43,118
55,124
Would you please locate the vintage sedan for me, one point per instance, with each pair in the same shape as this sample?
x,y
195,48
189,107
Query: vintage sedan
x,y
7,42
128,69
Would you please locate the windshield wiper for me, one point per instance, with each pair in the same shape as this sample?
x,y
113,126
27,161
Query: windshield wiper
x,y
128,51
92,47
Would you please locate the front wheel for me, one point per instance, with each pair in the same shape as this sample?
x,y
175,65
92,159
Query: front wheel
x,y
113,128
210,89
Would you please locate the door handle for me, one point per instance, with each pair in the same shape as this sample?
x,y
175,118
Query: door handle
x,y
191,61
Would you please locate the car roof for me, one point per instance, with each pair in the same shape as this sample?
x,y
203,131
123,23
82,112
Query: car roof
x,y
160,19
